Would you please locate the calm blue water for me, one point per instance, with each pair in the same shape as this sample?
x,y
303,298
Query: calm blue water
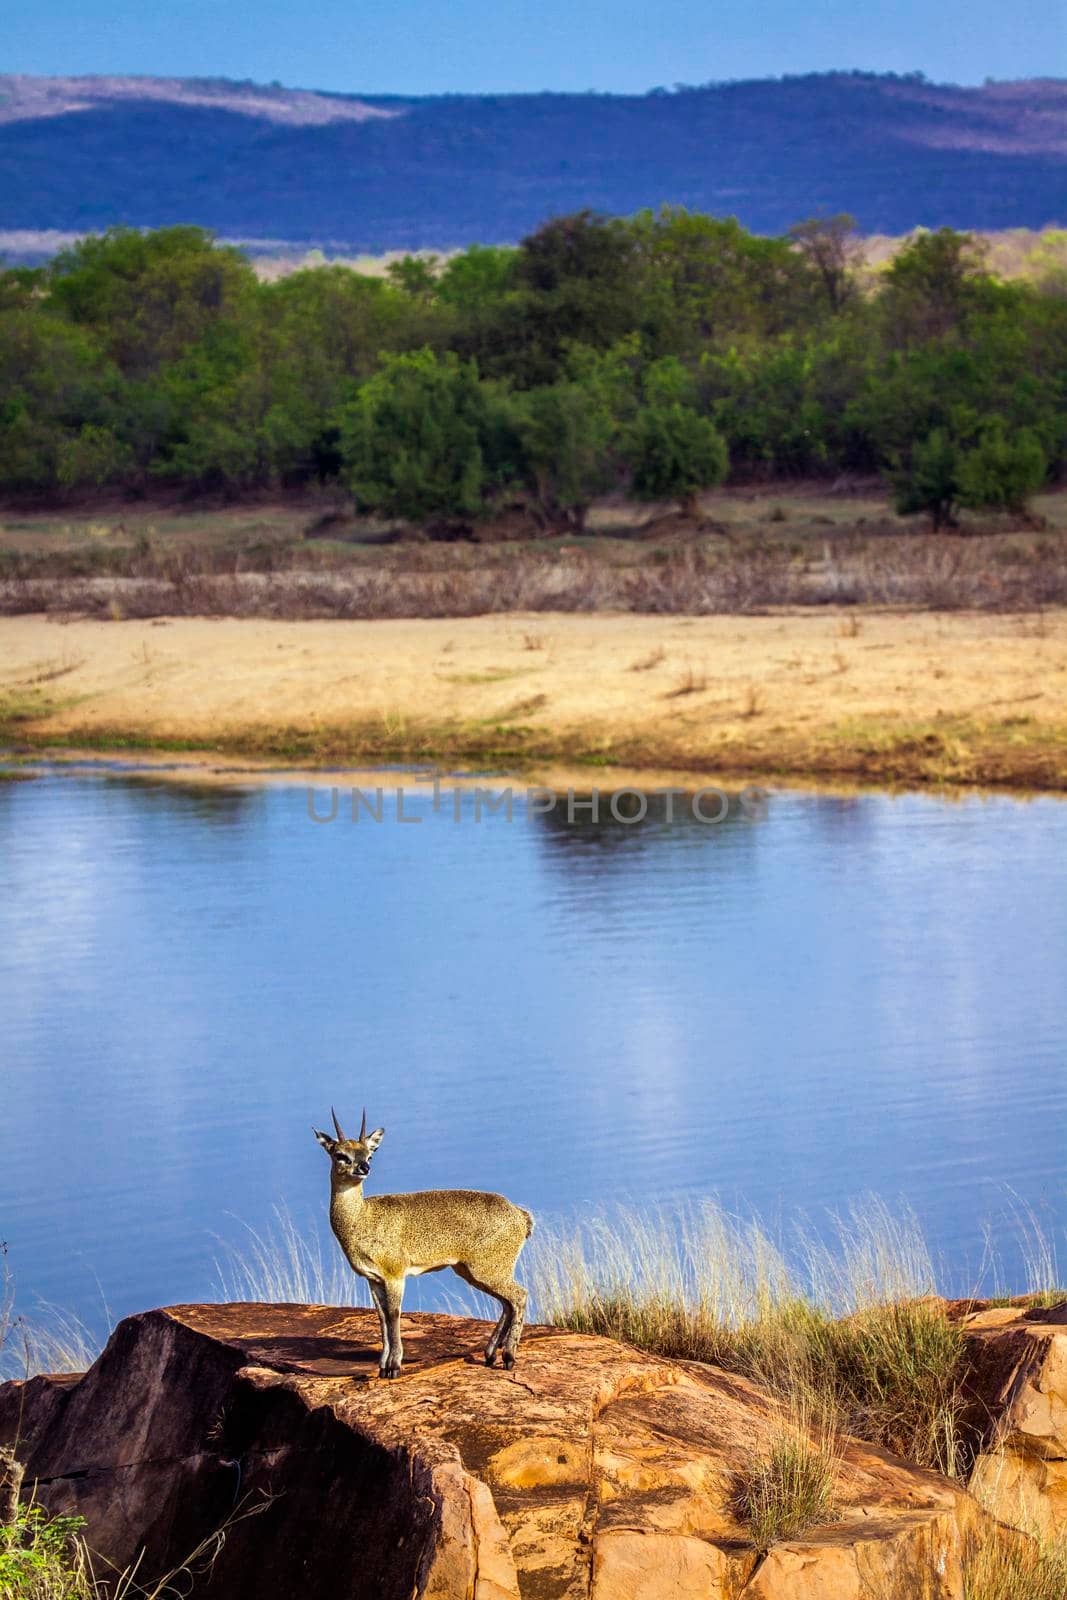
x,y
847,995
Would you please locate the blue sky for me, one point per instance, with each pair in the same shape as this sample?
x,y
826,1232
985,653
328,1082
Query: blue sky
x,y
432,46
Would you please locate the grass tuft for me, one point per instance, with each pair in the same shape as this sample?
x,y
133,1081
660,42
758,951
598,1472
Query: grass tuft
x,y
787,1490
53,1341
1016,1568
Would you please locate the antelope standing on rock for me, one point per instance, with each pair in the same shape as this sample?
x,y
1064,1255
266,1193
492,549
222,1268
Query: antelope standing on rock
x,y
391,1237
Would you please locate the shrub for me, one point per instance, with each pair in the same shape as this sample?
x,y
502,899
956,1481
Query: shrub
x,y
566,434
929,480
1001,472
423,438
844,1332
41,1558
674,453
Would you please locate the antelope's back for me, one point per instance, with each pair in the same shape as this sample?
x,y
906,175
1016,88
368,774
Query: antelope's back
x,y
452,1222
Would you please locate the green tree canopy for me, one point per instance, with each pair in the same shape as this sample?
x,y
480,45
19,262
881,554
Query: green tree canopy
x,y
149,296
424,438
674,453
1001,472
566,438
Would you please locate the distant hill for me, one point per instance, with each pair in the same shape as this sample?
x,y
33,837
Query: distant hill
x,y
375,173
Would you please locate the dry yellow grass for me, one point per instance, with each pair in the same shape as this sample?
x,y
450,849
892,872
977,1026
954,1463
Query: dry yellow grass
x,y
924,697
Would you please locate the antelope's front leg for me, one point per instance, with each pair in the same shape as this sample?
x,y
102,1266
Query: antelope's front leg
x,y
377,1294
392,1293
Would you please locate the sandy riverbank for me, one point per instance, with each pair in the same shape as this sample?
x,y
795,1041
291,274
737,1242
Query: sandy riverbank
x,y
955,697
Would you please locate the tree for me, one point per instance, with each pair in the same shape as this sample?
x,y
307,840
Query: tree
x,y
708,281
574,284
997,472
425,438
931,284
55,384
674,453
566,437
1001,472
832,249
477,277
415,275
149,296
929,480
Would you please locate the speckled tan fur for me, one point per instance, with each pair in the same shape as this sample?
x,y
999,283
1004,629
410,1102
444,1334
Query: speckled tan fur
x,y
390,1237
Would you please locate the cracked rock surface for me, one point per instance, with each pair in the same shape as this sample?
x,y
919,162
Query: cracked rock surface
x,y
591,1472
1017,1358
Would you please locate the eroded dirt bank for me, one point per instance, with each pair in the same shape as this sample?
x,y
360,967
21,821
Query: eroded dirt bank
x,y
953,697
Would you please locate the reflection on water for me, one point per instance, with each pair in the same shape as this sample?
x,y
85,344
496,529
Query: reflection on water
x,y
844,995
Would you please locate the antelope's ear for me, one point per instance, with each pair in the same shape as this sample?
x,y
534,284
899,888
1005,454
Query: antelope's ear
x,y
324,1139
374,1139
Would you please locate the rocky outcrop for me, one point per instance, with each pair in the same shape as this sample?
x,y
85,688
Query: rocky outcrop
x,y
1017,1365
589,1471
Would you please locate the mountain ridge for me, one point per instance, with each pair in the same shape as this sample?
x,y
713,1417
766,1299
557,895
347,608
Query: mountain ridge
x,y
377,172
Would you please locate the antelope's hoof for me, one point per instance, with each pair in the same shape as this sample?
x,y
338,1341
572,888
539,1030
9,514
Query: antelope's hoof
x,y
509,1360
490,1358
389,1372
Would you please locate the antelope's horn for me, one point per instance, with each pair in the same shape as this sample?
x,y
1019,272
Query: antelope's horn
x,y
363,1125
336,1124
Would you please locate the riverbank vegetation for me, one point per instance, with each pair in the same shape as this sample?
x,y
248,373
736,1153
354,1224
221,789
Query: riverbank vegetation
x,y
658,354
736,553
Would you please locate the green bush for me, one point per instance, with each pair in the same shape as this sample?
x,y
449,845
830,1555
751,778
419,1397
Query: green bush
x,y
930,481
424,438
674,453
1000,472
157,355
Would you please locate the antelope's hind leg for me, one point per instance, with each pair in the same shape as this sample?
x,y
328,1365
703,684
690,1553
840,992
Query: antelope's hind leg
x,y
512,1297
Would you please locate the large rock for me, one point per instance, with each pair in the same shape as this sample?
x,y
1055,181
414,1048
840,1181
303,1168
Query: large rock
x,y
1017,1359
590,1471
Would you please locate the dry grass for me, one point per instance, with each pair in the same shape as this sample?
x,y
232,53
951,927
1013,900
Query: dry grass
x,y
927,697
1027,1563
52,1341
790,1487
1007,1568
753,703
841,1330
287,1265
691,682
236,571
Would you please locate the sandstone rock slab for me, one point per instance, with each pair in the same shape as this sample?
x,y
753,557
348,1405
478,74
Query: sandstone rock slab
x,y
590,1472
1017,1380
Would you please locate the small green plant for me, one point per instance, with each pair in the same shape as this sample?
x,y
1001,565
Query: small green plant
x,y
41,1558
787,1490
